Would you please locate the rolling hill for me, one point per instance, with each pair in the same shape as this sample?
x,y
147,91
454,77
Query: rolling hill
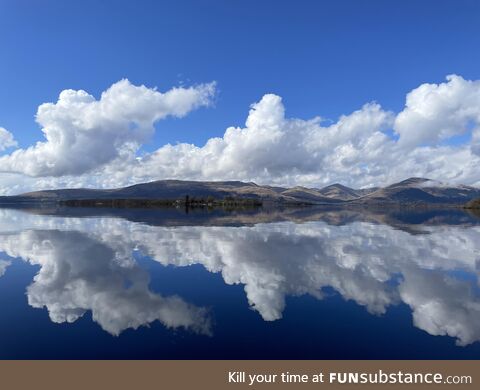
x,y
411,191
422,191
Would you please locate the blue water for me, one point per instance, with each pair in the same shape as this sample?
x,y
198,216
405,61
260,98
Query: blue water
x,y
310,288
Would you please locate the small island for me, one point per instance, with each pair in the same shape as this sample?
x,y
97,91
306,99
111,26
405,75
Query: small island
x,y
187,202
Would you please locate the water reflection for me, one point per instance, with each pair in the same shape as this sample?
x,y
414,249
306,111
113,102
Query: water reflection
x,y
3,266
89,264
79,273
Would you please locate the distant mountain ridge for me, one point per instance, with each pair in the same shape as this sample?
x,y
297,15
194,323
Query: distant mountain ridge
x,y
411,191
421,190
339,191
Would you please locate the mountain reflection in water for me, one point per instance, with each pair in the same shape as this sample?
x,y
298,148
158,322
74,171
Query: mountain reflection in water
x,y
428,261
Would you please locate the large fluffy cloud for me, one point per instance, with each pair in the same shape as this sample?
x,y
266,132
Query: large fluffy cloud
x,y
436,135
83,133
370,146
274,149
436,112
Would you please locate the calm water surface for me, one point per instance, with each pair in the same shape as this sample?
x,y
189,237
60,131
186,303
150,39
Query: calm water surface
x,y
322,284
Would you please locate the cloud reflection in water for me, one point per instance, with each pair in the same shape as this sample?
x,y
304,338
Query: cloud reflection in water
x,y
88,264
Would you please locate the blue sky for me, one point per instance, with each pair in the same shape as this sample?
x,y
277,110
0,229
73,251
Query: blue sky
x,y
324,58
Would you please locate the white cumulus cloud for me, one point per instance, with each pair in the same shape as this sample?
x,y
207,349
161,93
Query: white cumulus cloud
x,y
436,112
83,133
274,149
359,149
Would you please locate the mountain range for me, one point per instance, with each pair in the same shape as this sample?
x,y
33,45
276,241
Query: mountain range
x,y
414,190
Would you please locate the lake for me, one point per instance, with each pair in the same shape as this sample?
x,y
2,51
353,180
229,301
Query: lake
x,y
305,283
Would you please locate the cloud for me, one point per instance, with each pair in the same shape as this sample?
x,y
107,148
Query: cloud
x,y
6,139
436,112
83,133
368,147
436,135
274,149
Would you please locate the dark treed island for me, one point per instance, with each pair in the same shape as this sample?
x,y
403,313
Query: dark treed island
x,y
191,202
